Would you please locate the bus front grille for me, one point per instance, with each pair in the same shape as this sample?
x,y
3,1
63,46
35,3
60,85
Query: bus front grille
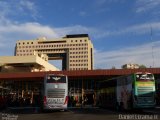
x,y
56,93
145,91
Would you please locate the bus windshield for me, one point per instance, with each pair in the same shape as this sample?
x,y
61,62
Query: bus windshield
x,y
144,77
56,79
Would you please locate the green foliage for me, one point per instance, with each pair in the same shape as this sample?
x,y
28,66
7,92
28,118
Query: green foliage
x,y
142,66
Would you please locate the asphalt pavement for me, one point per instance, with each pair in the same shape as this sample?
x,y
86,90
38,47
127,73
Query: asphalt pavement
x,y
81,114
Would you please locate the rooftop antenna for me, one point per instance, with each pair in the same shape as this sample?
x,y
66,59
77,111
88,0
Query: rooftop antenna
x,y
152,44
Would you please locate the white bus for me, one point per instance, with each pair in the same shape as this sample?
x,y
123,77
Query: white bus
x,y
55,92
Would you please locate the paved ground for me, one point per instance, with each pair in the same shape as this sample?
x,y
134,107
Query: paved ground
x,y
71,114
85,114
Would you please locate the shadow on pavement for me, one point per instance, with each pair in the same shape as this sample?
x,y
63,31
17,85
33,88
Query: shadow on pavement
x,y
22,110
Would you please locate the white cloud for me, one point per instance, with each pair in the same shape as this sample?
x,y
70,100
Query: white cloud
x,y
29,5
37,29
18,8
138,29
24,4
140,54
141,28
100,3
4,8
146,5
28,29
82,13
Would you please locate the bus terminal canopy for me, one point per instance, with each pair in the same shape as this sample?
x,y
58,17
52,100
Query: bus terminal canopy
x,y
82,74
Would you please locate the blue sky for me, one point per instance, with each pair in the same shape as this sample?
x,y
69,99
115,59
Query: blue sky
x,y
119,29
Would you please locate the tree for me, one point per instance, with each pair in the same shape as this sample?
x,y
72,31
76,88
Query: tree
x,y
142,66
113,67
124,66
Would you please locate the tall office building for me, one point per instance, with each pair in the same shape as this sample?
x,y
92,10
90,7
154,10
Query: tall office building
x,y
75,51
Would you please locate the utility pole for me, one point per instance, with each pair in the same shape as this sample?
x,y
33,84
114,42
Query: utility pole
x,y
152,45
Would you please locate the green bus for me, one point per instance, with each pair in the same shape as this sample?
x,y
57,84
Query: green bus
x,y
128,92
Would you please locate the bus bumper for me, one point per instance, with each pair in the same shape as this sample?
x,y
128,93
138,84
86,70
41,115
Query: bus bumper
x,y
55,107
144,105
